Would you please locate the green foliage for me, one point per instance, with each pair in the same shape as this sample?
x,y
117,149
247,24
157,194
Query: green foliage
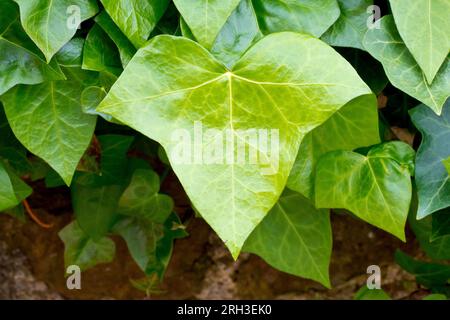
x,y
103,97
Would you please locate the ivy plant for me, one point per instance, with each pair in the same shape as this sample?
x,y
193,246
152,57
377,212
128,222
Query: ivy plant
x,y
265,111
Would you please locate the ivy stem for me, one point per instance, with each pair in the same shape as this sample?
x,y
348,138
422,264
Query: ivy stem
x,y
34,217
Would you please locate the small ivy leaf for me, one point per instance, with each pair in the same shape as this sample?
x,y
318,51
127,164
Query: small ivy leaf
x,y
432,178
206,18
20,59
237,35
350,28
12,189
354,126
386,45
435,296
376,188
100,53
125,47
428,274
306,16
424,26
295,237
255,94
185,30
371,294
83,251
136,18
141,198
50,24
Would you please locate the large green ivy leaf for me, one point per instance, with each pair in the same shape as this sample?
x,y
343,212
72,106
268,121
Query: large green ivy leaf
x,y
51,24
310,16
136,18
376,188
47,118
270,88
83,251
353,126
20,59
386,45
425,28
237,34
142,199
432,179
12,189
125,47
205,18
295,237
350,28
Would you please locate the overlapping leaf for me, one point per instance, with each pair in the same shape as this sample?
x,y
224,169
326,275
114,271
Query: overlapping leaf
x,y
12,189
376,188
432,179
386,45
295,237
195,87
51,24
424,26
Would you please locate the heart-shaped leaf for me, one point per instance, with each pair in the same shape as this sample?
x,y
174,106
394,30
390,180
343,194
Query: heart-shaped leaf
x,y
278,87
295,237
425,28
376,188
432,179
12,189
136,18
386,45
51,24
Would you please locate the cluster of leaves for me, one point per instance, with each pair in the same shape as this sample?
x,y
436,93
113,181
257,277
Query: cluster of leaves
x,y
78,102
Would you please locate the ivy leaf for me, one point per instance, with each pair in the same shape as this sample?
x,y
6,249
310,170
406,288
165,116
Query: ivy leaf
x,y
440,224
371,294
432,179
428,274
310,16
424,27
20,59
386,45
100,53
350,28
125,47
12,189
446,163
141,198
83,251
354,126
237,34
51,24
205,18
376,188
136,18
294,101
295,238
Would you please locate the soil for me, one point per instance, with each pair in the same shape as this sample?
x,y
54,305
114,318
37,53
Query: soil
x,y
32,263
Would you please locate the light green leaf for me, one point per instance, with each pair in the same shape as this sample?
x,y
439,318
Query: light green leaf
x,y
12,189
237,34
446,163
20,59
376,188
126,48
424,26
386,45
136,18
205,18
354,126
350,28
309,16
255,94
295,238
100,53
185,30
83,251
432,179
435,296
141,198
371,294
52,23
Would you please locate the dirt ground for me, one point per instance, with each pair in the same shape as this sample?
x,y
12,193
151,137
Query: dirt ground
x,y
32,266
